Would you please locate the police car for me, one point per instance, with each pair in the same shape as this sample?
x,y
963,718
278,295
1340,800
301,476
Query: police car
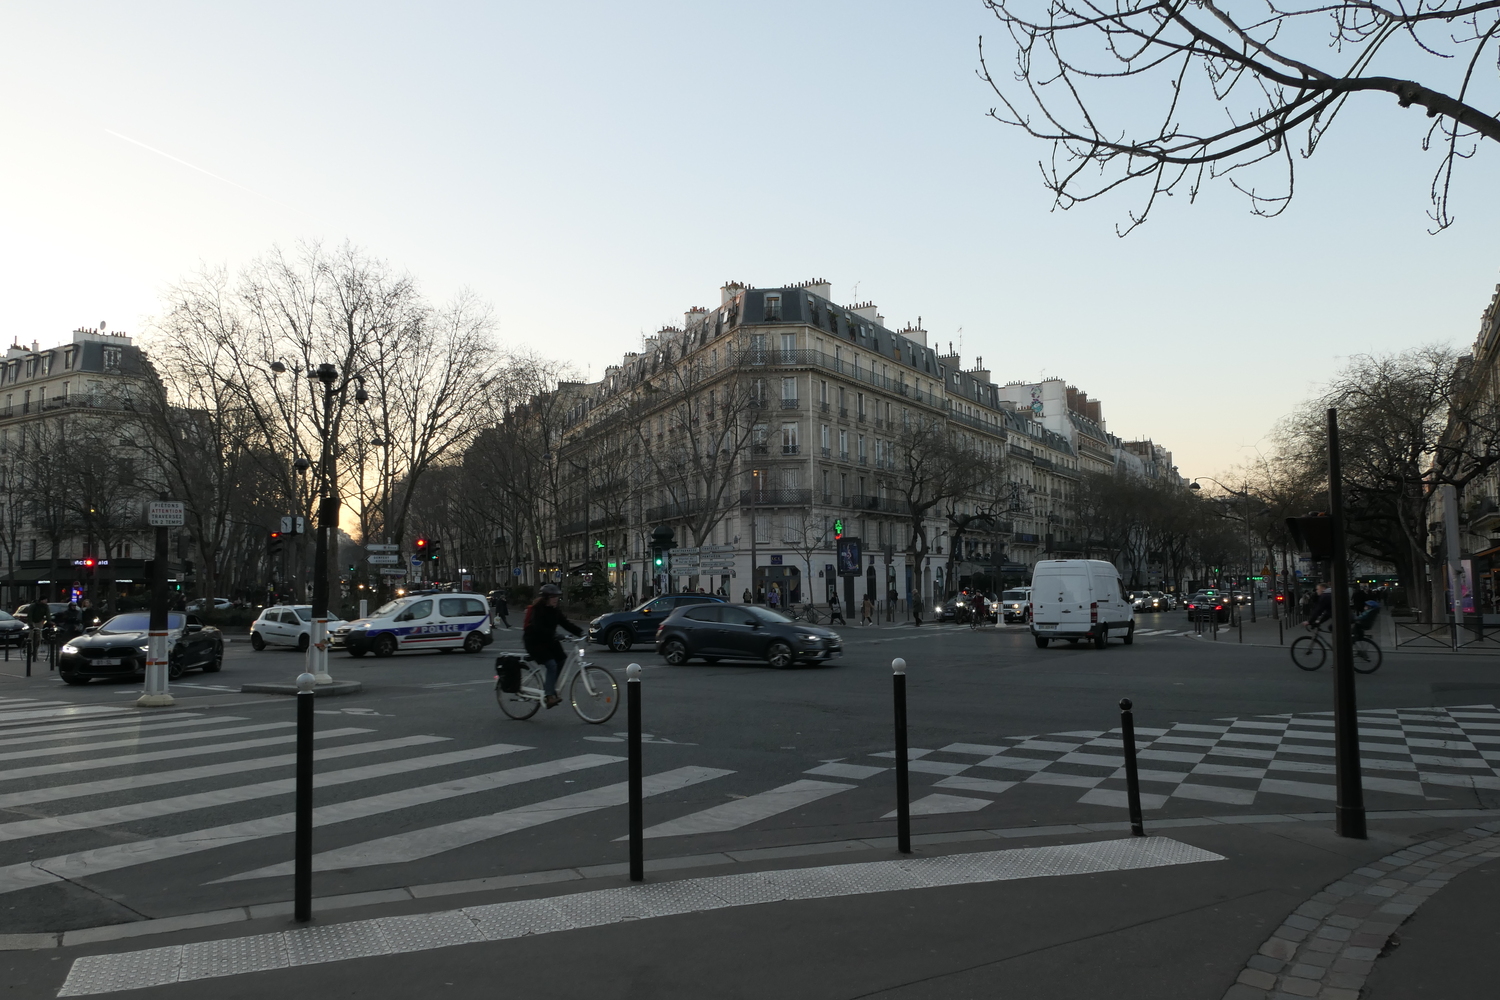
x,y
419,621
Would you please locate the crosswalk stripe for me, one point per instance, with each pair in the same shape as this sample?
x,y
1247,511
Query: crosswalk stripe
x,y
424,843
207,734
81,730
52,793
19,718
751,809
95,818
83,864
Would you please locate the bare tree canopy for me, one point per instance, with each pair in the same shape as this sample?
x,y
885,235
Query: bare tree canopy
x,y
1173,92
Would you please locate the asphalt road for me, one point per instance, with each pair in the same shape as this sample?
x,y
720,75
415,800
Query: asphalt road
x,y
422,776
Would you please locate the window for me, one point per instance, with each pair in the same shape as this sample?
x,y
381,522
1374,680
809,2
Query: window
x,y
861,405
789,389
825,483
111,359
861,447
789,439
705,613
825,438
788,346
68,359
823,390
843,487
844,445
773,307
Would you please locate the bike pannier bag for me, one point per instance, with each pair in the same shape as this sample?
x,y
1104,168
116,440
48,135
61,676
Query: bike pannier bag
x,y
509,668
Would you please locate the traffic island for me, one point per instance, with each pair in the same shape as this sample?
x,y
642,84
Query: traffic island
x,y
290,687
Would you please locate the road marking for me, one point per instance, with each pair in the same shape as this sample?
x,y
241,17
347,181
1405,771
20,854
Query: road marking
x,y
104,859
752,809
79,730
172,738
77,711
95,818
95,974
424,843
938,804
838,769
54,792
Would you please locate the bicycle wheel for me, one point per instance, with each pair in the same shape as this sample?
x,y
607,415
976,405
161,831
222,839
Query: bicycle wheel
x,y
1366,656
594,694
1308,653
518,705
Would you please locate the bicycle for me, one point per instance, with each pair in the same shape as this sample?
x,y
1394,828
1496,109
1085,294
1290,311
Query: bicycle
x,y
592,690
808,613
1309,652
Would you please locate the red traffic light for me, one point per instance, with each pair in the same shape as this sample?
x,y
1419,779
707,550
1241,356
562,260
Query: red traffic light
x,y
275,534
88,563
421,543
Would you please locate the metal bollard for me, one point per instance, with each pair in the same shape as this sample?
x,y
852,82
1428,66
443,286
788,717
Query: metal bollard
x,y
903,792
637,810
1132,778
302,877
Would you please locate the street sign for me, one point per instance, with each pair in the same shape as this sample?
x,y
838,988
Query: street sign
x,y
392,571
386,560
416,560
166,513
382,548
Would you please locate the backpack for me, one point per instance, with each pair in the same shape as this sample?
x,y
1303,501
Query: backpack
x,y
526,624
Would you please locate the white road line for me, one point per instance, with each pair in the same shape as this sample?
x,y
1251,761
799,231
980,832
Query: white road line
x,y
752,809
155,808
207,734
938,804
424,843
77,711
108,973
81,730
83,864
125,782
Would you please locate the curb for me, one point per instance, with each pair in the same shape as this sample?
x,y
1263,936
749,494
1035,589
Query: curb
x,y
1328,946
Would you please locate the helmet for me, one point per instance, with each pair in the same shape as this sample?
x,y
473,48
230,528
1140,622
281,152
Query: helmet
x,y
1372,604
551,590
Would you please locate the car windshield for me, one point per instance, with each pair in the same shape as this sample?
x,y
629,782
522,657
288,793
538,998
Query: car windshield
x,y
138,622
1014,595
767,615
387,609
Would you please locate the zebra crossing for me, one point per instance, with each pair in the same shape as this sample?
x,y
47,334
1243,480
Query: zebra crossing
x,y
84,795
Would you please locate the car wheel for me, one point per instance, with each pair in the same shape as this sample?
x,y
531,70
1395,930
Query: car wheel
x,y
69,677
216,664
1102,639
619,640
357,651
674,652
303,641
256,642
385,645
174,668
1129,639
473,642
779,654
1041,641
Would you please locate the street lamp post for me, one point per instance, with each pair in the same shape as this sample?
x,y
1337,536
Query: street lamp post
x,y
328,516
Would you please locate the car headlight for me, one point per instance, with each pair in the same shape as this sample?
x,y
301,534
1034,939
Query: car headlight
x,y
144,647
70,649
596,621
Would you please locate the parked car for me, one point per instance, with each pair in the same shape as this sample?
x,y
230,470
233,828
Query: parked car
x,y
440,621
1076,599
743,631
286,625
1207,603
1013,604
117,648
619,630
54,609
12,630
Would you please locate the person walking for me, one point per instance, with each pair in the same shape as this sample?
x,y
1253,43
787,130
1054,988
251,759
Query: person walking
x,y
916,611
748,597
867,611
543,619
835,610
500,607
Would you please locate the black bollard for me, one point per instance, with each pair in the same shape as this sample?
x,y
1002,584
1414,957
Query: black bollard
x,y
903,794
1132,778
637,809
302,877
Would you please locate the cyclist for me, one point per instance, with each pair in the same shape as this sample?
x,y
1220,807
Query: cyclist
x,y
543,618
1322,607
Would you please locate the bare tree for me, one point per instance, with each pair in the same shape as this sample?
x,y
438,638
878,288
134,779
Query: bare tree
x,y
934,464
1171,93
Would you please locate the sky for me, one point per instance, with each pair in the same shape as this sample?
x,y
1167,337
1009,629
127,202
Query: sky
x,y
593,170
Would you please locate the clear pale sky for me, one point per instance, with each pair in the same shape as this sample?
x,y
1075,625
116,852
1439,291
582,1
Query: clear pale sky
x,y
595,169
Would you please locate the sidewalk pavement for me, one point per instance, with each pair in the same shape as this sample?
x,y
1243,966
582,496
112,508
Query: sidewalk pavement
x,y
1238,908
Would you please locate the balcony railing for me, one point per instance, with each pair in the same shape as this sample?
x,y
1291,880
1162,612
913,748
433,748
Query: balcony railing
x,y
860,418
823,406
889,505
863,460
775,498
760,449
843,413
791,404
843,456
1019,452
827,452
789,449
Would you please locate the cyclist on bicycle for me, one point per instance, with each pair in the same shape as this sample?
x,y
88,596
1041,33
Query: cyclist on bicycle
x,y
1366,620
1322,608
543,619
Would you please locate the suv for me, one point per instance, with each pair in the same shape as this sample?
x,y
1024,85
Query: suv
x,y
619,630
441,621
1014,604
286,625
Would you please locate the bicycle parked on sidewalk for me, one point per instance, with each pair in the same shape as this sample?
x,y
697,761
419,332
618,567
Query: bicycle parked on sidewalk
x,y
1310,651
592,690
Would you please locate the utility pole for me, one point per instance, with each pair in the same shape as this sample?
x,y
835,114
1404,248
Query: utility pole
x,y
1350,808
160,514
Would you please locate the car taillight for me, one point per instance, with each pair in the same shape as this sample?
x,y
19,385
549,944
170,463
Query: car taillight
x,y
1218,607
1094,613
659,628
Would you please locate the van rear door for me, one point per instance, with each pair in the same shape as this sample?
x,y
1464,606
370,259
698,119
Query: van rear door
x,y
1059,597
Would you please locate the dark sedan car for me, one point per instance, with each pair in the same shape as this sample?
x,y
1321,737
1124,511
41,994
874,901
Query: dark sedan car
x,y
12,630
619,630
743,631
1205,605
118,648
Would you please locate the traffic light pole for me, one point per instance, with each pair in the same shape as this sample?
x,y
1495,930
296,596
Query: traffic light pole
x,y
1349,812
156,694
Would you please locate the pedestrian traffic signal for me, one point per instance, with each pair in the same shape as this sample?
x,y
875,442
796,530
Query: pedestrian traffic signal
x,y
598,543
838,528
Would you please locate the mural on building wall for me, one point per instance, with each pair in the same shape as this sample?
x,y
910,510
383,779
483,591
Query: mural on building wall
x,y
1036,400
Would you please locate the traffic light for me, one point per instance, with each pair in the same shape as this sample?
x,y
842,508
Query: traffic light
x,y
273,544
598,543
421,548
659,561
838,528
434,549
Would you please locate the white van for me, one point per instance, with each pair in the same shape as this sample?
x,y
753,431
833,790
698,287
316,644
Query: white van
x,y
442,621
1077,599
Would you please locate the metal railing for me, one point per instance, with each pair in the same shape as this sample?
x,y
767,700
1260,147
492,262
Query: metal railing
x,y
775,498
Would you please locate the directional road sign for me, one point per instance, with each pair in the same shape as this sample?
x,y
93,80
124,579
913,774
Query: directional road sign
x,y
383,560
382,548
392,571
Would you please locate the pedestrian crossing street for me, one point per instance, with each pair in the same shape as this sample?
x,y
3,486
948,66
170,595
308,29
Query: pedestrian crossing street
x,y
90,790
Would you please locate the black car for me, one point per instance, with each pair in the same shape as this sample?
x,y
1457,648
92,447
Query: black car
x,y
12,630
117,648
743,631
1203,605
619,630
